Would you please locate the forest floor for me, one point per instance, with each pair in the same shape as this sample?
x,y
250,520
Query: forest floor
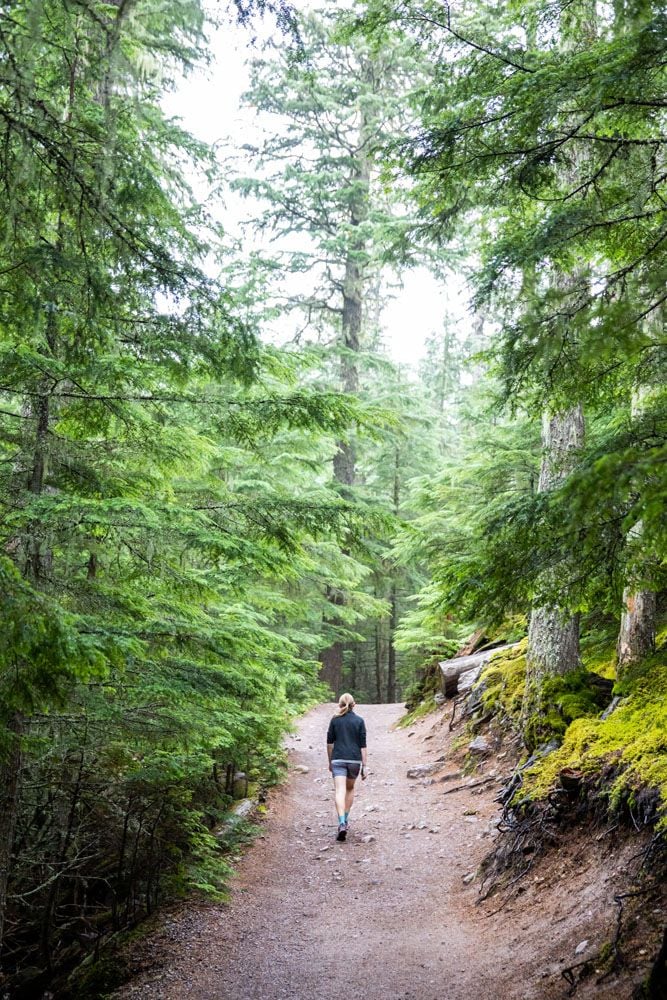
x,y
387,914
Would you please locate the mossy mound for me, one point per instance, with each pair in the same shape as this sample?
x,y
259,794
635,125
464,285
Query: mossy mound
x,y
503,682
563,700
624,754
423,708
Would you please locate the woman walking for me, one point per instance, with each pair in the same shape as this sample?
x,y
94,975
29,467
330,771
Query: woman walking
x,y
346,749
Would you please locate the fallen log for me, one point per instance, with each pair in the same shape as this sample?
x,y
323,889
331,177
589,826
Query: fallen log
x,y
476,640
452,670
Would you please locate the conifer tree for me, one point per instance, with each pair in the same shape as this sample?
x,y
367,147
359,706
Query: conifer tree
x,y
335,100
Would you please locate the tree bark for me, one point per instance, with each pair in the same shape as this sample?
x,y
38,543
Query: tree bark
x,y
636,637
378,663
393,595
353,301
331,671
391,658
553,635
344,462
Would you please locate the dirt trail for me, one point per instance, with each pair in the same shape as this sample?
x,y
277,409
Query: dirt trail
x,y
384,915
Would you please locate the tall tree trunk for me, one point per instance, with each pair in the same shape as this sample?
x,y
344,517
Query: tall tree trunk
x,y
391,657
553,635
344,462
378,663
331,671
636,637
353,302
393,595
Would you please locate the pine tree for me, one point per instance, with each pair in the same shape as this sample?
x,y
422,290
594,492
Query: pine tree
x,y
334,101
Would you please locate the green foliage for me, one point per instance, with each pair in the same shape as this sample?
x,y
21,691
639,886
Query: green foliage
x,y
167,532
538,137
462,514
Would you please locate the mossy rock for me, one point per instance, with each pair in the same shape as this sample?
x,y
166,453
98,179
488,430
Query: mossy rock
x,y
561,700
503,682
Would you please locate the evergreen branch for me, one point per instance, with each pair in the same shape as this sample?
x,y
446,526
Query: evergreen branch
x,y
447,26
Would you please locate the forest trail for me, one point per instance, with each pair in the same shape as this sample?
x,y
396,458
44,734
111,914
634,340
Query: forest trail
x,y
384,915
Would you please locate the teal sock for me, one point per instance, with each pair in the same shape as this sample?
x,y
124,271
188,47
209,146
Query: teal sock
x,y
341,819
347,816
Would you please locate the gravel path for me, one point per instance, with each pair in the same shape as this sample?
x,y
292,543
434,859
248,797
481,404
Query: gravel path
x,y
383,916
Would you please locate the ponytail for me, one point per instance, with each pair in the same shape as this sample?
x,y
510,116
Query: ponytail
x,y
345,704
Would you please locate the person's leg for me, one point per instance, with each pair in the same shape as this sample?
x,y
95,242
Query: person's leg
x,y
349,795
340,791
353,772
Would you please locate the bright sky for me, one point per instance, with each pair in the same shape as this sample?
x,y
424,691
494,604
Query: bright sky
x,y
209,103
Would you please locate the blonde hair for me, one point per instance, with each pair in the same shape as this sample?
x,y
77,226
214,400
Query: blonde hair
x,y
345,704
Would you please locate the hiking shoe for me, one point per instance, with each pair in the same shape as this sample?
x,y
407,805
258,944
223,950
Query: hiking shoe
x,y
342,831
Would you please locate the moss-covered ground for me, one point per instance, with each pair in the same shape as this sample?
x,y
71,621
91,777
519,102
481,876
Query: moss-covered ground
x,y
424,707
626,752
623,755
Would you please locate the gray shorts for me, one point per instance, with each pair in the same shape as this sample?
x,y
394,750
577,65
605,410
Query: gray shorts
x,y
345,768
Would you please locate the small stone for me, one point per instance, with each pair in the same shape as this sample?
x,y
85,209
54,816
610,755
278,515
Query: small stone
x,y
581,947
467,879
399,868
421,825
479,745
368,839
424,770
301,769
434,829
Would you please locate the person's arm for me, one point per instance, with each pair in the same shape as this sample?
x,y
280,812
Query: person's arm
x,y
330,742
364,751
